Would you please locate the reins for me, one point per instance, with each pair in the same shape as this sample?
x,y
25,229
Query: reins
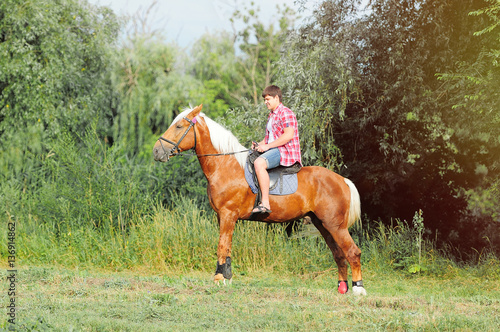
x,y
175,151
212,154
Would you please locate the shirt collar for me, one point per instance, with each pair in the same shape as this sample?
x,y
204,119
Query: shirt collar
x,y
277,109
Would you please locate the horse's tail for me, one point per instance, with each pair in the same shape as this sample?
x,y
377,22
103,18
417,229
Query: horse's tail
x,y
355,206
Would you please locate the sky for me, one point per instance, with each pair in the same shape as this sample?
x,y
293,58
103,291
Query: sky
x,y
184,21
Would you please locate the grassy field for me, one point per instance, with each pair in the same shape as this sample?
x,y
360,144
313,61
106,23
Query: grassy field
x,y
157,276
59,299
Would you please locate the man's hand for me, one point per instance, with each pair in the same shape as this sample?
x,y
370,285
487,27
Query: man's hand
x,y
263,148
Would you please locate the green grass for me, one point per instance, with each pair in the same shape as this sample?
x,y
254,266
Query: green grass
x,y
182,239
57,299
156,275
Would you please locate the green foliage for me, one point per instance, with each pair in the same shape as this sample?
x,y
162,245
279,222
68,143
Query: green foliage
x,y
418,225
367,83
183,178
83,183
260,44
248,123
256,68
184,238
54,60
402,247
475,119
151,89
493,12
317,86
91,184
213,63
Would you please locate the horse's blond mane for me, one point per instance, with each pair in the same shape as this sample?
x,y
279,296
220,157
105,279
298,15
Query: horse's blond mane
x,y
222,139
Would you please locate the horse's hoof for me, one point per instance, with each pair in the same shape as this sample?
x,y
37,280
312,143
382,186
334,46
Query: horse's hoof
x,y
342,289
358,290
219,277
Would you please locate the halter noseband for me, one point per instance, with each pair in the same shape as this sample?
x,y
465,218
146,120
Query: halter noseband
x,y
175,149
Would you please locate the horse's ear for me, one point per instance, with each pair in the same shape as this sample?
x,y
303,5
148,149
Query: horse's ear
x,y
195,111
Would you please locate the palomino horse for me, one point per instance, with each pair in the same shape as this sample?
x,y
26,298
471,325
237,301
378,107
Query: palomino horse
x,y
331,201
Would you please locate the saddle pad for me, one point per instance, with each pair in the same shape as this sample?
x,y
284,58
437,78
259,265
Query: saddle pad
x,y
289,185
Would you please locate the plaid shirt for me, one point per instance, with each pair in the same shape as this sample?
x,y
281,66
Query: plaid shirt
x,y
281,118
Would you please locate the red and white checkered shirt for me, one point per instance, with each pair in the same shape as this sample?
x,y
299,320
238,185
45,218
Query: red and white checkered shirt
x,y
282,117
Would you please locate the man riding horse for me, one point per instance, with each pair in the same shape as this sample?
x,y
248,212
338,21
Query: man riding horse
x,y
280,146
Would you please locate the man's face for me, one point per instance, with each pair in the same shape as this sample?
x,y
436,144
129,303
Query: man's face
x,y
271,102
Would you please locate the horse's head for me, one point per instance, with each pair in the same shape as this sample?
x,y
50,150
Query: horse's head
x,y
180,136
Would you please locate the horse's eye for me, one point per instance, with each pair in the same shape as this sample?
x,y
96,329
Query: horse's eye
x,y
179,126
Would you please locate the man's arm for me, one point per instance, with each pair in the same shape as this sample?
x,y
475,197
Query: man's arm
x,y
282,140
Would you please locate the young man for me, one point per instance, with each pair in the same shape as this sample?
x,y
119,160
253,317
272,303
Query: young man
x,y
280,146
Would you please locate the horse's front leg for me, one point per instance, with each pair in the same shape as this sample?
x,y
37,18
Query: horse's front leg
x,y
227,221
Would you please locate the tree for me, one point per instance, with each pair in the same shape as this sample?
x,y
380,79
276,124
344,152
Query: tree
x,y
260,45
213,62
473,88
54,60
371,78
259,51
151,84
316,73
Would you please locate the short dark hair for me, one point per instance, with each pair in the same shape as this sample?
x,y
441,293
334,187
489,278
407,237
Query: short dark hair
x,y
272,91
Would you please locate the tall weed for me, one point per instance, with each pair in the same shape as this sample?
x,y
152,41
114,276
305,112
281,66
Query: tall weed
x,y
185,237
91,184
181,238
398,246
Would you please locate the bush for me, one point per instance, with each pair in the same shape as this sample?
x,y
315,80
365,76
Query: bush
x,y
89,183
54,60
399,246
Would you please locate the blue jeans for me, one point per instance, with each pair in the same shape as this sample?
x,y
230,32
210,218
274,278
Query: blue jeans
x,y
272,157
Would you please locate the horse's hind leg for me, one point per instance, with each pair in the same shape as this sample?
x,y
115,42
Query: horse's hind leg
x,y
353,256
352,253
338,255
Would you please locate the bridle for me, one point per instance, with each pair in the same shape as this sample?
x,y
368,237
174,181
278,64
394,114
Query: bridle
x,y
175,149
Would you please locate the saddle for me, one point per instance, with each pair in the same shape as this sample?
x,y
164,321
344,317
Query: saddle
x,y
282,176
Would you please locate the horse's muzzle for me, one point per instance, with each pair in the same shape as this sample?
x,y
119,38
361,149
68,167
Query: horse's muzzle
x,y
161,155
